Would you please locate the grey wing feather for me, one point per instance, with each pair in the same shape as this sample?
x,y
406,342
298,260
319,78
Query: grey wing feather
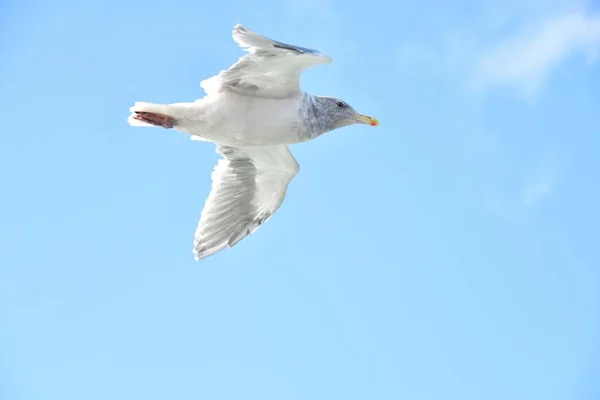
x,y
249,185
256,42
271,69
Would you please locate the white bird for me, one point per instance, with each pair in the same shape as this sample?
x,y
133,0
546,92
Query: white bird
x,y
251,111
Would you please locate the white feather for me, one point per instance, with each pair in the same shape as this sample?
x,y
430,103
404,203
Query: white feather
x,y
249,185
271,69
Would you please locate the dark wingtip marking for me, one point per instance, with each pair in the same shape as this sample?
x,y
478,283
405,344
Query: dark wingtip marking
x,y
286,47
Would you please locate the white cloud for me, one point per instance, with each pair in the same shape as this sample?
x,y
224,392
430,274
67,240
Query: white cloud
x,y
526,59
516,44
511,207
539,183
537,190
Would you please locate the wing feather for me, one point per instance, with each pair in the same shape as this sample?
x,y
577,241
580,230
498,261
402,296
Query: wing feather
x,y
271,69
249,185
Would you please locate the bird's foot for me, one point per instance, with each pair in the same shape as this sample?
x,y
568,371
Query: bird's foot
x,y
155,119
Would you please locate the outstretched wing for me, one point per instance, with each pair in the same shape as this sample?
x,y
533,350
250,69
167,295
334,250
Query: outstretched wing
x,y
249,185
271,69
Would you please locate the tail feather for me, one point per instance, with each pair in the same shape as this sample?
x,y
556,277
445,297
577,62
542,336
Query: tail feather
x,y
150,107
136,122
185,117
147,107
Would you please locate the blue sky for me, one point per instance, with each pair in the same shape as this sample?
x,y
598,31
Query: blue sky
x,y
448,254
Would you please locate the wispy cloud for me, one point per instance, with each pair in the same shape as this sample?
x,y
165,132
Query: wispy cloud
x,y
513,44
536,191
510,208
539,184
526,59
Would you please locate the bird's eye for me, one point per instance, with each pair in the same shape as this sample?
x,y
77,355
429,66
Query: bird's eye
x,y
340,104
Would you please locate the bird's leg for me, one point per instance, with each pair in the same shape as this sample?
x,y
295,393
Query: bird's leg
x,y
155,119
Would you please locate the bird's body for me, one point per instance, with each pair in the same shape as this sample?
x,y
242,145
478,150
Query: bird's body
x,y
252,111
215,118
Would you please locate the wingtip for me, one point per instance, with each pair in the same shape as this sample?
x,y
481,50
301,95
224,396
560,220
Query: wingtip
x,y
238,32
239,28
200,255
196,256
204,253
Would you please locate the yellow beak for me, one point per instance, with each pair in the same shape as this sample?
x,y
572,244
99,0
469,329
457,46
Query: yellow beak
x,y
363,119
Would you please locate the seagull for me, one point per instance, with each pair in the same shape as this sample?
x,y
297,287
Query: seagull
x,y
251,112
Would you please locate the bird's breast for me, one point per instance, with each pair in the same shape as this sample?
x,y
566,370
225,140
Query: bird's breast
x,y
251,121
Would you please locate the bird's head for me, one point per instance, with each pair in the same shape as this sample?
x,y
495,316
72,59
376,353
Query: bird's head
x,y
336,113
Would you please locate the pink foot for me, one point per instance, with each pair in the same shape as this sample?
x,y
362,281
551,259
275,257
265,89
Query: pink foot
x,y
155,119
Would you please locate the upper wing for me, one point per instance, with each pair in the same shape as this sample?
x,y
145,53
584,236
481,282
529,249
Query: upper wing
x,y
249,185
272,69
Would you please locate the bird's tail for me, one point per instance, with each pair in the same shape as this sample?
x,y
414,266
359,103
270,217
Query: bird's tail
x,y
140,106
